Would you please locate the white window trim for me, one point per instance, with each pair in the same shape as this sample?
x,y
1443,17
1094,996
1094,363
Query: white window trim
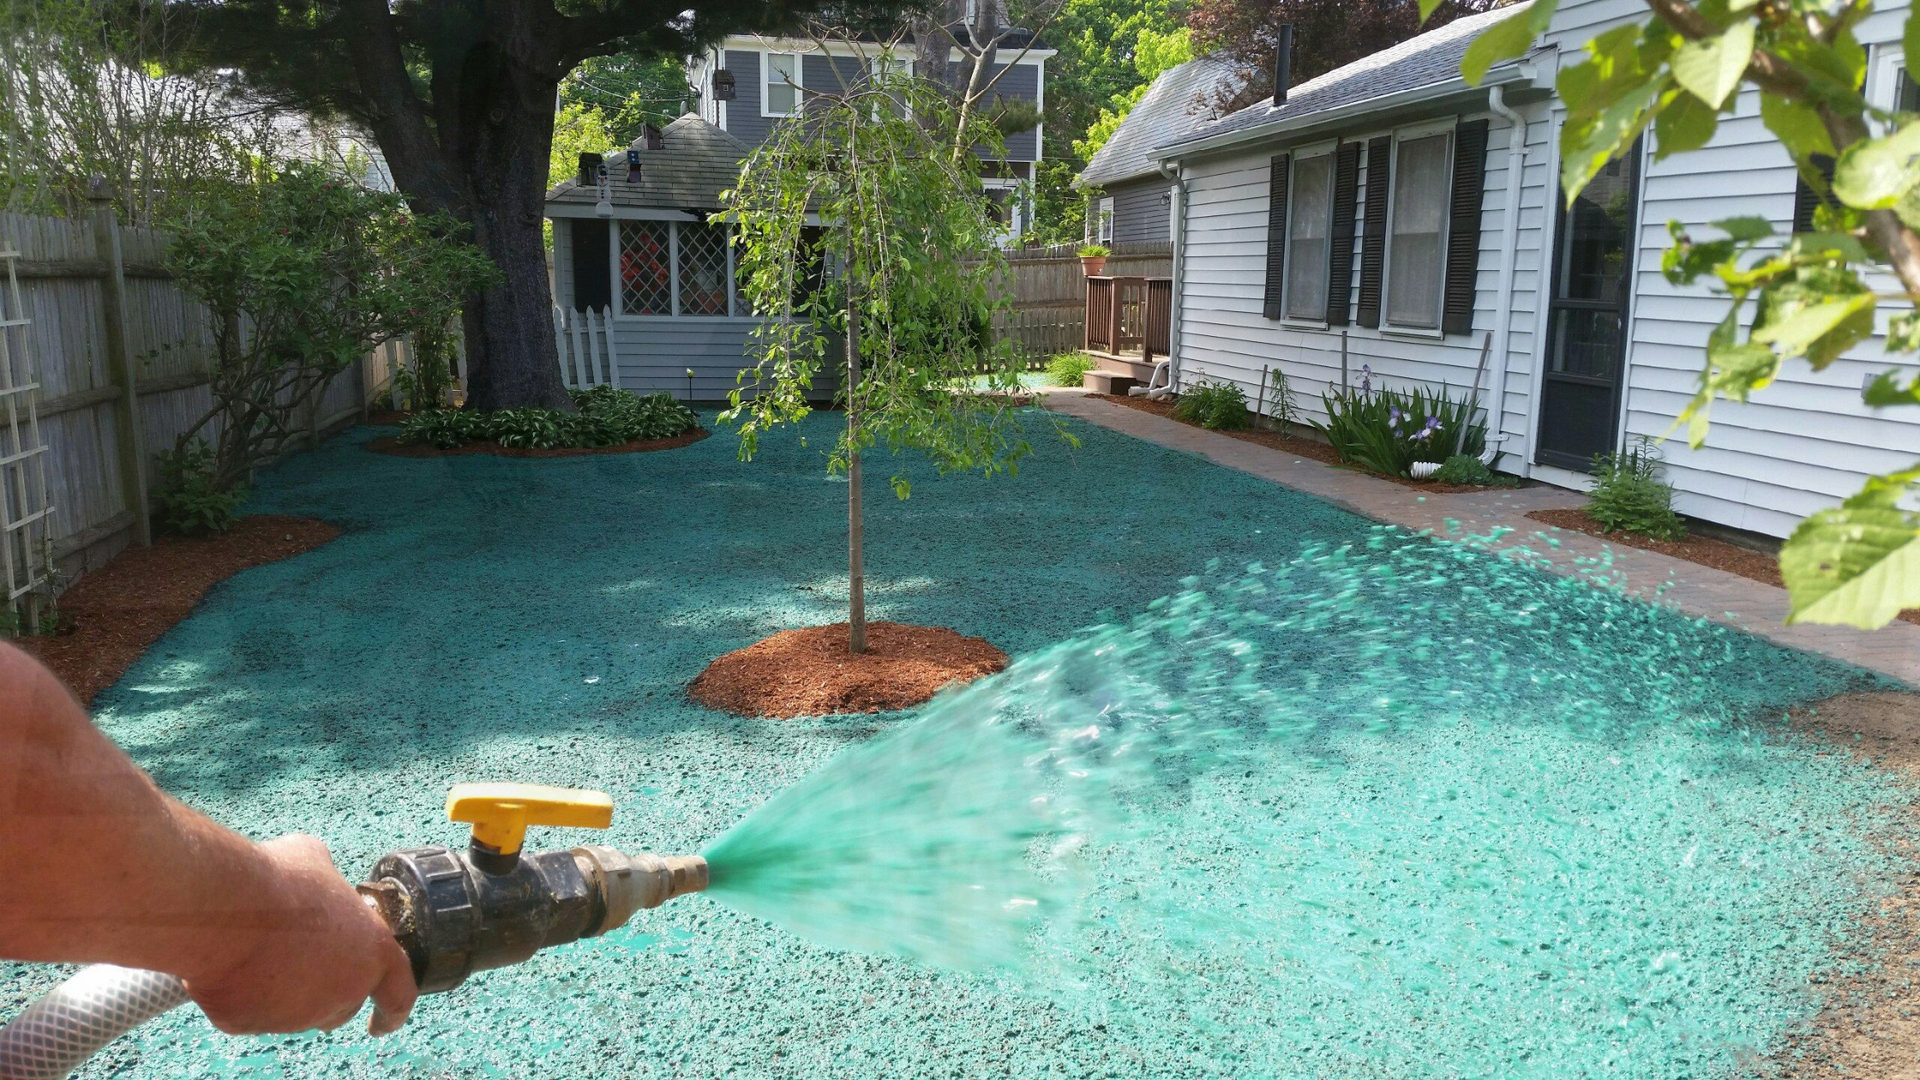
x,y
798,81
1294,158
1885,63
1387,326
1016,204
619,305
1103,221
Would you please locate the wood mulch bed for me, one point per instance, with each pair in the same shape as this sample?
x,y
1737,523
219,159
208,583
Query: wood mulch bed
x,y
113,614
811,672
390,444
1294,444
1719,554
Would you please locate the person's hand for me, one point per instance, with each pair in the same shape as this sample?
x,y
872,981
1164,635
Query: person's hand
x,y
309,952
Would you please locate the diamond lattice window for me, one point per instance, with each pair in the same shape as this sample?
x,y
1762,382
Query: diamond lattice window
x,y
646,268
704,282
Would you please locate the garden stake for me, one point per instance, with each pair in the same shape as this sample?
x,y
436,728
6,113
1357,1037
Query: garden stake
x,y
1343,361
1260,400
1473,400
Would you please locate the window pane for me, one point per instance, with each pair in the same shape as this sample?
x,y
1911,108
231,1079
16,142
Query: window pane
x,y
1906,94
1416,257
1307,237
703,268
783,79
1593,256
645,269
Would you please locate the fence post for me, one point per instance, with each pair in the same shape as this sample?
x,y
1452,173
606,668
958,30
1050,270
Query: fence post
x,y
131,444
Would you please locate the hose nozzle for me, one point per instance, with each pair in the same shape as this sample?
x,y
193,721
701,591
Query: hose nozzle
x,y
629,883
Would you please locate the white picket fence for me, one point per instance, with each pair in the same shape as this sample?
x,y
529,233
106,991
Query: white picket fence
x,y
585,342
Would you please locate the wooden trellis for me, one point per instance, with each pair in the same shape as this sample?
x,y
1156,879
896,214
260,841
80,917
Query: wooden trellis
x,y
26,516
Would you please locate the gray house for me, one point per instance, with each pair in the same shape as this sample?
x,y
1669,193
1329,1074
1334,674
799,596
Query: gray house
x,y
1132,199
644,284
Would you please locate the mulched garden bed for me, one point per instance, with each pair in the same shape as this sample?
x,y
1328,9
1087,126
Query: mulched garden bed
x,y
113,614
1734,559
1293,444
391,444
810,672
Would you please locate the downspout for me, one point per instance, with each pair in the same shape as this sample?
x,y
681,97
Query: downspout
x,y
1516,181
1172,172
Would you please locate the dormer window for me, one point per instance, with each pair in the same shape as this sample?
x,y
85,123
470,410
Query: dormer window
x,y
780,84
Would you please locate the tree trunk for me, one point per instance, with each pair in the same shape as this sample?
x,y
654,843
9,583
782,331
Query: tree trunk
x,y
856,528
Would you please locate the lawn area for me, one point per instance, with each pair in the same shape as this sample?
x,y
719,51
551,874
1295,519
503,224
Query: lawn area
x,y
1523,828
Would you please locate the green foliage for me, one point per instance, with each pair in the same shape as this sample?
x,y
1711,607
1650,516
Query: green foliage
x,y
917,244
605,416
1629,496
1069,369
1154,52
1463,469
1281,405
1386,430
191,502
1095,251
1806,297
303,273
1219,406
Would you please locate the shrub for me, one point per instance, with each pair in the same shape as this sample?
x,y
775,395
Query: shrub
x,y
1386,431
1281,405
1069,369
1629,496
1463,469
606,417
192,503
1095,251
1215,406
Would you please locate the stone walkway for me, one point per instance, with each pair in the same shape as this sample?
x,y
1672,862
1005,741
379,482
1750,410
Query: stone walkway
x,y
1697,590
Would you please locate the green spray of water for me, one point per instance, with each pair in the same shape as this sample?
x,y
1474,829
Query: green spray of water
x,y
1308,812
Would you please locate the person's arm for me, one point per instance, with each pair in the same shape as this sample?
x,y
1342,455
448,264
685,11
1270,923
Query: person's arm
x,y
98,865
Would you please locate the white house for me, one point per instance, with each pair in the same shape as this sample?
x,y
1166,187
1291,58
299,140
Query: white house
x,y
1387,214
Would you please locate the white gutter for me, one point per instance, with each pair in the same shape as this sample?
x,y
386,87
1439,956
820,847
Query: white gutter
x,y
1172,172
1510,229
1419,95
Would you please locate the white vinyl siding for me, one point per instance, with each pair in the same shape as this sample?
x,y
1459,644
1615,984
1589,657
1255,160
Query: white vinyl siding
x,y
1417,230
780,84
1309,236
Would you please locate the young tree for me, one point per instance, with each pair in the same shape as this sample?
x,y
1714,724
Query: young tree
x,y
913,235
1813,294
460,97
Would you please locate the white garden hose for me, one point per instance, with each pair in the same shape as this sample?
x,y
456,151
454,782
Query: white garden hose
x,y
69,1025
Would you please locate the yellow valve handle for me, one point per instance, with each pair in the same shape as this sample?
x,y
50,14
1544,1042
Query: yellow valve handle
x,y
500,813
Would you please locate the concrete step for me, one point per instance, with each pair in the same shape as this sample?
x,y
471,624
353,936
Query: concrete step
x,y
1131,368
1101,381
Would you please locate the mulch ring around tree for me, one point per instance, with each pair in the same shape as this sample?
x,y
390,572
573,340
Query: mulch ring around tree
x,y
1705,551
811,672
1294,444
110,616
389,444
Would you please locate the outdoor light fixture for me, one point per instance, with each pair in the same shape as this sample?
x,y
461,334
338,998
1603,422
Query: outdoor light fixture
x,y
633,166
723,89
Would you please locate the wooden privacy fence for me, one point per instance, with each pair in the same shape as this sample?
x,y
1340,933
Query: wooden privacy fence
x,y
1047,297
123,363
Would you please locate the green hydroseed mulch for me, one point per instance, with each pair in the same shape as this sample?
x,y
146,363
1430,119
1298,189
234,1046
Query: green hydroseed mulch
x,y
1448,817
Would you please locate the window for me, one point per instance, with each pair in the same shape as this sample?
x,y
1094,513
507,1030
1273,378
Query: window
x,y
1417,231
646,268
888,67
1103,222
705,284
780,84
1308,231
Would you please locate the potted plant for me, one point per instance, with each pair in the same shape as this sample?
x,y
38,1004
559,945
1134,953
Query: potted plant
x,y
1093,258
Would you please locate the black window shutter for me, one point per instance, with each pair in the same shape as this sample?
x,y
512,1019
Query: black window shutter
x,y
1346,178
1805,199
1276,235
1463,226
1373,242
592,278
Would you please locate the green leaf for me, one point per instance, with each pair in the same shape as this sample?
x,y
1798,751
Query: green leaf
x,y
1875,173
1504,40
1858,564
1586,147
1685,123
1745,229
1910,40
1796,125
1801,327
1885,390
1711,68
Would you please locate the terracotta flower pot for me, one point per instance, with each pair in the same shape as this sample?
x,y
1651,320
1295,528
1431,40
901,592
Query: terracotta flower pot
x,y
1094,265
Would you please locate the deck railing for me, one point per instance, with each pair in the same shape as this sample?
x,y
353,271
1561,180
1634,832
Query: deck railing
x,y
1127,313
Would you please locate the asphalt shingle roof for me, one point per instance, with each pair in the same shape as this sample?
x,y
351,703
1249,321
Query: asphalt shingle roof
x,y
1180,101
1428,59
698,162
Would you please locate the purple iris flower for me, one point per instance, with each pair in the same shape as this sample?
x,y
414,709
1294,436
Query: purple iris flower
x,y
1426,432
1366,378
1393,417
